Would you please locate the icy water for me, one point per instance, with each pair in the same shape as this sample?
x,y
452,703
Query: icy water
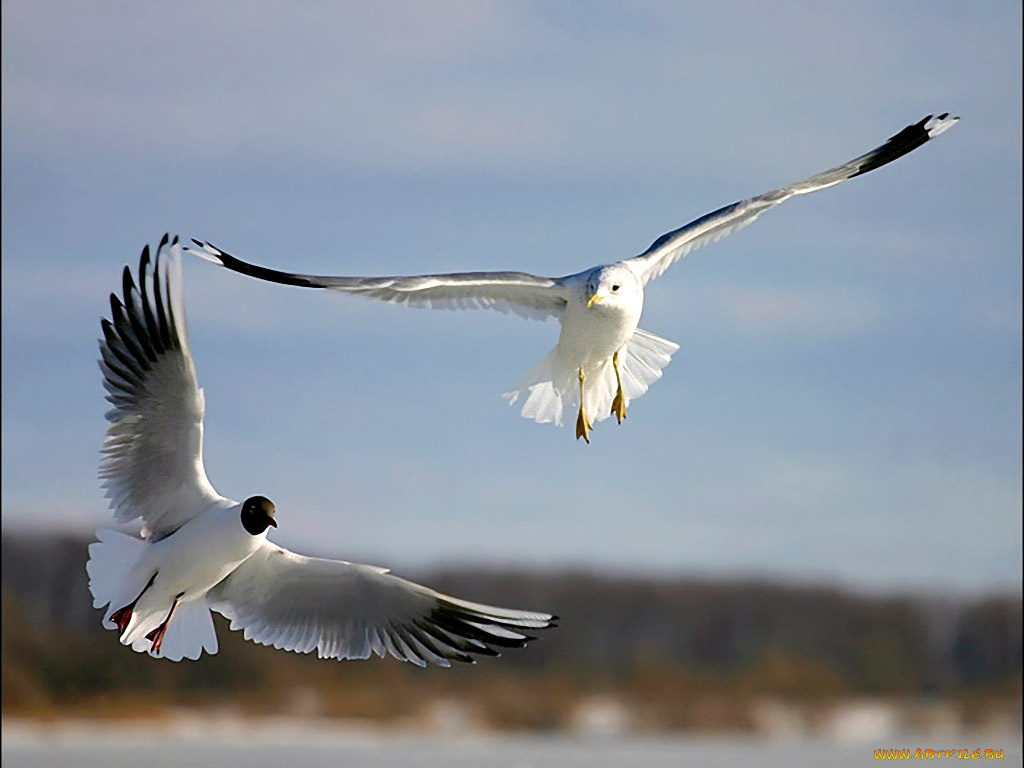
x,y
85,747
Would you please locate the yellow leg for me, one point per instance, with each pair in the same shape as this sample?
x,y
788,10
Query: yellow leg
x,y
619,403
583,425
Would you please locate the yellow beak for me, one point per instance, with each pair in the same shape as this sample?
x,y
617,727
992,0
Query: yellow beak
x,y
595,299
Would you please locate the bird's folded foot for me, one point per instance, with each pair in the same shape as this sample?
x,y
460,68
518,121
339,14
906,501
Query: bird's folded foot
x,y
583,426
156,636
122,616
619,406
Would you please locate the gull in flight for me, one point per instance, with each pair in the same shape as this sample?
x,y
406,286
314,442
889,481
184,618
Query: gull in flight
x,y
602,360
200,552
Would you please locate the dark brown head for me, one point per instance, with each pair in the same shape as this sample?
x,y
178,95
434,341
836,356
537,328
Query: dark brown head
x,y
258,514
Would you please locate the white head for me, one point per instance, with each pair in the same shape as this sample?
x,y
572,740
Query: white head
x,y
614,287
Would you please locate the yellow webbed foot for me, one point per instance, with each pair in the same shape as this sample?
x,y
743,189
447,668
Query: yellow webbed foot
x,y
619,406
583,426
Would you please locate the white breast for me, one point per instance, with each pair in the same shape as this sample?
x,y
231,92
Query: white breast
x,y
202,552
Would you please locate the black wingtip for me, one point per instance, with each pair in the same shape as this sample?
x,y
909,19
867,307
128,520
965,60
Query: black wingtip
x,y
902,143
128,283
128,330
225,259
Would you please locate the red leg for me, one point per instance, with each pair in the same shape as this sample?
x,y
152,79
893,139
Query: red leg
x,y
157,635
124,615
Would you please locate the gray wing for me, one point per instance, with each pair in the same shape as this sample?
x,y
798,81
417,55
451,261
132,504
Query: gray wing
x,y
525,294
152,465
347,611
672,246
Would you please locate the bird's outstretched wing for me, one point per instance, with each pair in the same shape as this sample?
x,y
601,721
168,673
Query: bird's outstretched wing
x,y
525,294
152,465
347,611
672,246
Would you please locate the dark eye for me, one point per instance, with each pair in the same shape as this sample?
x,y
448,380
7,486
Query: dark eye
x,y
615,288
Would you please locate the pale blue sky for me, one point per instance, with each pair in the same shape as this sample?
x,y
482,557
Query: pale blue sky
x,y
846,402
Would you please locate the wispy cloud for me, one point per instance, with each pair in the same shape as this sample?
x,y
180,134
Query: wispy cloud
x,y
375,138
772,311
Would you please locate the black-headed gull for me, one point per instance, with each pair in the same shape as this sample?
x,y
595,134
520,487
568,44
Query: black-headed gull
x,y
200,551
602,360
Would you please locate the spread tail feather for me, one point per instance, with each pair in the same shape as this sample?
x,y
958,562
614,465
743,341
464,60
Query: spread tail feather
x,y
189,632
646,355
552,386
112,560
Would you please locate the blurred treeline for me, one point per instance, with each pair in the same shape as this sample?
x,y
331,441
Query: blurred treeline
x,y
679,653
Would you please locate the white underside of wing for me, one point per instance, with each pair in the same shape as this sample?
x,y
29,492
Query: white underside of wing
x,y
524,294
152,455
346,611
671,247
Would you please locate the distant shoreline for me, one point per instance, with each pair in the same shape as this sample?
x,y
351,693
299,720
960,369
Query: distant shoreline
x,y
859,721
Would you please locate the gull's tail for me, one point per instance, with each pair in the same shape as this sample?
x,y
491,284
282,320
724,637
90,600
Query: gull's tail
x,y
552,386
117,581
